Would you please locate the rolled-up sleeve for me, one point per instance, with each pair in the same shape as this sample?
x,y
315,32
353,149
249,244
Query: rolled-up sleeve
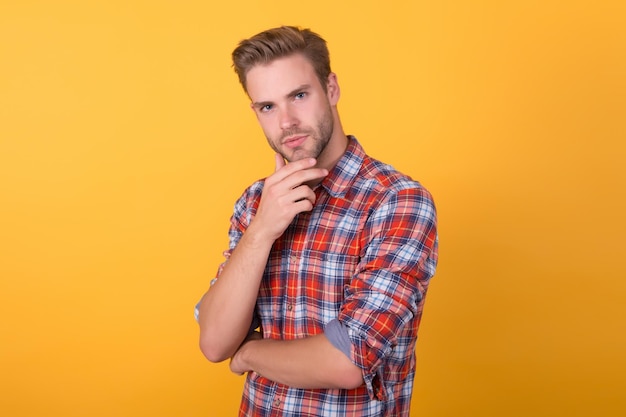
x,y
385,296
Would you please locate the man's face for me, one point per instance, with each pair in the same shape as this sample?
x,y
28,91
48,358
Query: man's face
x,y
293,109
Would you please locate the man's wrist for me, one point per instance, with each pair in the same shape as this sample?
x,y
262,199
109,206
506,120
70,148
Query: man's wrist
x,y
257,238
245,355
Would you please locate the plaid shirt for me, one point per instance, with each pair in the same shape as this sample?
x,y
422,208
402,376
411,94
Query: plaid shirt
x,y
364,256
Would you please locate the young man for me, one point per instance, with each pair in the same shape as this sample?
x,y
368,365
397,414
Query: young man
x,y
321,294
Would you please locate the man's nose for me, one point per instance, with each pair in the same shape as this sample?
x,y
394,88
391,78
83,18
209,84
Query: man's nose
x,y
287,118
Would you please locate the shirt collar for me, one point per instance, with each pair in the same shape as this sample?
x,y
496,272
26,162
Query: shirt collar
x,y
345,171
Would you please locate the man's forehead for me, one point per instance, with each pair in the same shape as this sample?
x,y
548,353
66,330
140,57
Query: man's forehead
x,y
279,76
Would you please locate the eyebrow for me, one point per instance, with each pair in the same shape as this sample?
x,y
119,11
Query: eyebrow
x,y
291,94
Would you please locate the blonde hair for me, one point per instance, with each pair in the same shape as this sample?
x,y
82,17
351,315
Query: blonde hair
x,y
280,42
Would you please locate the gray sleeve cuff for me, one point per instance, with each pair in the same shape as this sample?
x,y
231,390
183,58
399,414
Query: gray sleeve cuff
x,y
337,334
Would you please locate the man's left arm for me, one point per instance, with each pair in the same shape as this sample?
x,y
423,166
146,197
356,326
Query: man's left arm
x,y
309,363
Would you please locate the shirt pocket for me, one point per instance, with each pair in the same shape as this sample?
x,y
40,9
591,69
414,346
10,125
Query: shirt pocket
x,y
326,278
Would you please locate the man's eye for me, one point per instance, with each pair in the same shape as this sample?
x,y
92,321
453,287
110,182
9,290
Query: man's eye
x,y
300,95
266,108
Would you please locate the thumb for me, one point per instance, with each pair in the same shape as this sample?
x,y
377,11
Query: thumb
x,y
280,162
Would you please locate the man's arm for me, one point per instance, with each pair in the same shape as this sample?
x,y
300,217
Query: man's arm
x,y
225,312
309,363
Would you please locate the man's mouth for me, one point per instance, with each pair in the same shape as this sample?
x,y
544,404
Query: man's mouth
x,y
294,141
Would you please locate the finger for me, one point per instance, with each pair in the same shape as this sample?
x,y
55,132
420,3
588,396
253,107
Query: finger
x,y
300,193
287,169
280,162
304,176
303,205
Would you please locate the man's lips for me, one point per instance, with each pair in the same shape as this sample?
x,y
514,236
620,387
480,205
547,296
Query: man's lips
x,y
294,141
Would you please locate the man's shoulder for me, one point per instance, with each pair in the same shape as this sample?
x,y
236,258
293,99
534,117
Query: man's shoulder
x,y
386,177
250,196
373,176
256,187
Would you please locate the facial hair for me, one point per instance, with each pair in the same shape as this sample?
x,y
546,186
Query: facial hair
x,y
321,136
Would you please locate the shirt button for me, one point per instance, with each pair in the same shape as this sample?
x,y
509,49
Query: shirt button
x,y
293,258
289,307
277,402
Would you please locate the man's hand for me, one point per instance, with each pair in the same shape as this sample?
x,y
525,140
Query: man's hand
x,y
285,194
237,364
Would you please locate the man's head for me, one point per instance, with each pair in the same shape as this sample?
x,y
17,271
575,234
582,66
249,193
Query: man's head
x,y
286,73
280,42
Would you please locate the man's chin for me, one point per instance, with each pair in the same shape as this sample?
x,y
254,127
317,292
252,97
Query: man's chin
x,y
298,154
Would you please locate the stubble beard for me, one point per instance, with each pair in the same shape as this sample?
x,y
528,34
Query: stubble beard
x,y
321,137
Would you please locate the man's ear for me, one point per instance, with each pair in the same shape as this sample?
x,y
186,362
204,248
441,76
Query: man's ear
x,y
256,113
332,89
253,109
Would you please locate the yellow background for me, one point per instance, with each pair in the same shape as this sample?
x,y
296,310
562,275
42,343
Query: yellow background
x,y
125,139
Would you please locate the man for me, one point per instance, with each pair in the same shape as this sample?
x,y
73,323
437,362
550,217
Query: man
x,y
321,294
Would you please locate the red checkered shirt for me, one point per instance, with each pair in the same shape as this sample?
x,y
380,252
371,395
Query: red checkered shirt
x,y
363,256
